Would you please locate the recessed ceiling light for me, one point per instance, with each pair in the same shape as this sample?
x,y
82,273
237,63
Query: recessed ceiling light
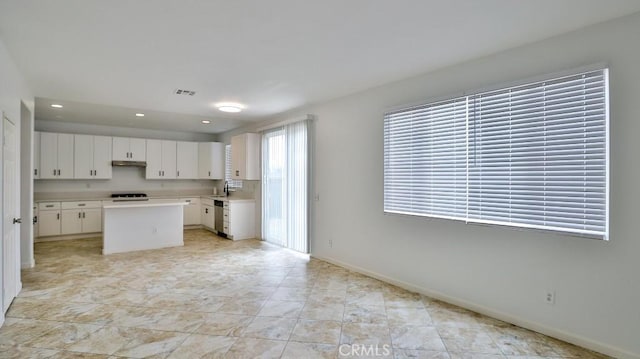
x,y
230,107
139,114
55,105
206,121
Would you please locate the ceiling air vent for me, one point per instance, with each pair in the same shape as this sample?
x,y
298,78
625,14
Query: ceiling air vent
x,y
184,92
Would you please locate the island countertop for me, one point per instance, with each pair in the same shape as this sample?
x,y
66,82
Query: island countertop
x,y
143,203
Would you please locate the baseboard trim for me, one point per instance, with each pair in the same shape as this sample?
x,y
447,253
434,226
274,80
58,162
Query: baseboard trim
x,y
531,325
67,237
30,264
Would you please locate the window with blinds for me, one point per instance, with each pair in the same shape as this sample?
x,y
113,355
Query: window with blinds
x,y
533,155
233,183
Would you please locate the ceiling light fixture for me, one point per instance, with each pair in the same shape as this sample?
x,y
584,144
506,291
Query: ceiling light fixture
x,y
206,121
55,105
139,114
230,107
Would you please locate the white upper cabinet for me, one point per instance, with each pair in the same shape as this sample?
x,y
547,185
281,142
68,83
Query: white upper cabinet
x,y
211,160
36,155
92,157
56,155
161,159
129,149
187,160
245,156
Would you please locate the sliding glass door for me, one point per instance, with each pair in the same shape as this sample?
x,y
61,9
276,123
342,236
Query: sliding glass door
x,y
285,186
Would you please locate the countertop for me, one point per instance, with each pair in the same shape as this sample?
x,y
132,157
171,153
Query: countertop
x,y
149,203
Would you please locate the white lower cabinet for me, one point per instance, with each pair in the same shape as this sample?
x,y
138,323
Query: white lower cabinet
x,y
239,219
207,213
81,217
192,214
48,219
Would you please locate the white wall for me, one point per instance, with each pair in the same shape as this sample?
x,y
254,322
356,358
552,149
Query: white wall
x,y
13,90
501,271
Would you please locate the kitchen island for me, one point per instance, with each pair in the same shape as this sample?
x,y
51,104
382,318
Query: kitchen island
x,y
141,224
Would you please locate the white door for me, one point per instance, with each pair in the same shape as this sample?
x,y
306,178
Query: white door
x,y
154,159
91,220
217,160
204,160
71,222
187,160
169,159
137,147
83,157
102,157
48,155
238,156
65,155
10,242
48,223
36,155
120,149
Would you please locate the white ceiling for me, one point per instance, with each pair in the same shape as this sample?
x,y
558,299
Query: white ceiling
x,y
272,56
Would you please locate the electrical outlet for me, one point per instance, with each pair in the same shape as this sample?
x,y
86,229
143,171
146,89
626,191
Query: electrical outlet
x,y
550,297
330,243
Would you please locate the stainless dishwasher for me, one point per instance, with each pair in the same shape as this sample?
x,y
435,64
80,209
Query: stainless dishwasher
x,y
218,214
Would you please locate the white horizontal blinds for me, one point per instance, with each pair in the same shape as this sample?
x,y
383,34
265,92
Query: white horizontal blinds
x,y
537,155
425,160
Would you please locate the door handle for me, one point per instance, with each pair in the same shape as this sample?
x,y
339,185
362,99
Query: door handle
x,y
17,220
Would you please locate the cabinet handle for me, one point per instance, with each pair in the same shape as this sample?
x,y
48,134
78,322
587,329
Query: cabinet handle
x,y
58,216
79,214
35,172
206,210
162,173
159,173
237,172
54,172
209,173
178,174
83,215
81,204
58,172
49,205
95,172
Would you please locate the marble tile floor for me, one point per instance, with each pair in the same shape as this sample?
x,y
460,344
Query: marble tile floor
x,y
214,298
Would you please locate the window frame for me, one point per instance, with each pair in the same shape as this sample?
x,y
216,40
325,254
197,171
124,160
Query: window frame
x,y
504,86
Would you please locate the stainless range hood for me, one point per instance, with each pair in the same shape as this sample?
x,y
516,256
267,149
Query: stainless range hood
x,y
129,163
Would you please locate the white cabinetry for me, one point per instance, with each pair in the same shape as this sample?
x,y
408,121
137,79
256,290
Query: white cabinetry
x,y
239,219
92,157
48,219
245,156
207,213
161,159
81,217
211,160
56,155
191,211
186,160
129,149
36,155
